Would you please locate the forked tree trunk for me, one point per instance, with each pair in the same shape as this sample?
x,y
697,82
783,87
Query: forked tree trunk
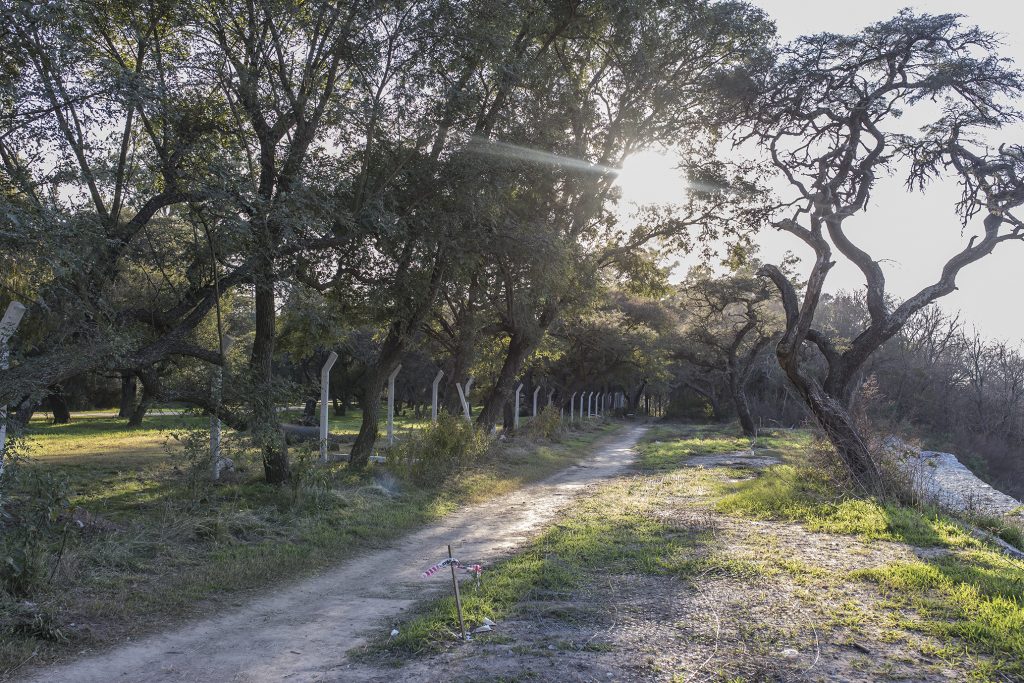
x,y
739,398
738,393
373,384
835,420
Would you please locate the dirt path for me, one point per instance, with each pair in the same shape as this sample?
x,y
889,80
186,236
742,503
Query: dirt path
x,y
303,632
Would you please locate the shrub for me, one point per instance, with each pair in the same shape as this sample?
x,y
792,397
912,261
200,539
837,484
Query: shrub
x,y
547,424
431,455
32,511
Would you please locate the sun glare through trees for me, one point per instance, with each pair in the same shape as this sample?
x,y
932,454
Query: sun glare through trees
x,y
402,340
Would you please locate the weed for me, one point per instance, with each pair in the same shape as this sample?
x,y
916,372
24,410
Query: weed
x,y
431,455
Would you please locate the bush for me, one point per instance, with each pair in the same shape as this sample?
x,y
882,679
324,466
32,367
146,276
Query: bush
x,y
33,505
547,424
431,455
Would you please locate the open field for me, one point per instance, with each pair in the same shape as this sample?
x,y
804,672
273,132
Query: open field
x,y
711,563
158,543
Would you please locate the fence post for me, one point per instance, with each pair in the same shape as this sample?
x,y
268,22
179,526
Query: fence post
x,y
391,403
572,407
325,397
465,403
535,392
515,418
217,393
433,395
8,325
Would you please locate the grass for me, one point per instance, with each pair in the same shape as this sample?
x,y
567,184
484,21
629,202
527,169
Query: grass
x,y
802,493
967,597
615,531
184,547
975,596
667,446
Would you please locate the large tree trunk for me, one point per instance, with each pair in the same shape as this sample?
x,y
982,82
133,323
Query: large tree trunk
x,y
835,420
634,400
362,449
373,384
24,412
129,389
459,364
265,428
340,407
520,346
138,413
59,407
309,414
738,393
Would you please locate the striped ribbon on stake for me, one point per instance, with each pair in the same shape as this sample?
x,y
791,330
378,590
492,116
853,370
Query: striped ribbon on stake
x,y
454,564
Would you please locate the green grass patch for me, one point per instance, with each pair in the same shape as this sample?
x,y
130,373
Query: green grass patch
x,y
668,446
181,550
802,493
977,596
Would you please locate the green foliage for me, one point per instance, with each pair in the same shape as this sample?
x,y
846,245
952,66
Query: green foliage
x,y
547,424
34,504
433,454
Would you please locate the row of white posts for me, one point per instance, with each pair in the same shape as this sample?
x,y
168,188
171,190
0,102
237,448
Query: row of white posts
x,y
15,312
594,407
325,373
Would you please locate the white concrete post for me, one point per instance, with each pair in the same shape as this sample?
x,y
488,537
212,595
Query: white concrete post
x,y
535,392
572,406
597,404
12,318
469,385
216,393
551,395
515,418
391,403
590,404
465,403
433,395
325,397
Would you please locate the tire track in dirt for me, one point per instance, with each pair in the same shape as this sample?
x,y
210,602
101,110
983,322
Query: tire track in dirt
x,y
302,633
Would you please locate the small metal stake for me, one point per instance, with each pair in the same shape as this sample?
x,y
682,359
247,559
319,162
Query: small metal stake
x,y
458,598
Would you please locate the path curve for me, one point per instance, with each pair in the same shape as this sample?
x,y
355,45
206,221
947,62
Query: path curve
x,y
302,633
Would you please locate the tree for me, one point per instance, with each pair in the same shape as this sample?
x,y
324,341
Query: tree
x,y
103,139
826,115
727,322
613,81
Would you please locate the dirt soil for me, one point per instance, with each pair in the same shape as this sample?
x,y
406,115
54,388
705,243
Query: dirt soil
x,y
796,619
302,632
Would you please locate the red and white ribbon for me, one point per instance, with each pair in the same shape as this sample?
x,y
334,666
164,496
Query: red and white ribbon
x,y
449,562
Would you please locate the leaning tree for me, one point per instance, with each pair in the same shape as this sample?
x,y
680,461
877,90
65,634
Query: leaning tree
x,y
828,117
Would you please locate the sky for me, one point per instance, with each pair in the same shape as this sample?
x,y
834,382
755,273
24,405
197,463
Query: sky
x,y
914,234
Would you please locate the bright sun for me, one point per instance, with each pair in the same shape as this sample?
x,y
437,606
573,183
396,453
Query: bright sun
x,y
651,177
